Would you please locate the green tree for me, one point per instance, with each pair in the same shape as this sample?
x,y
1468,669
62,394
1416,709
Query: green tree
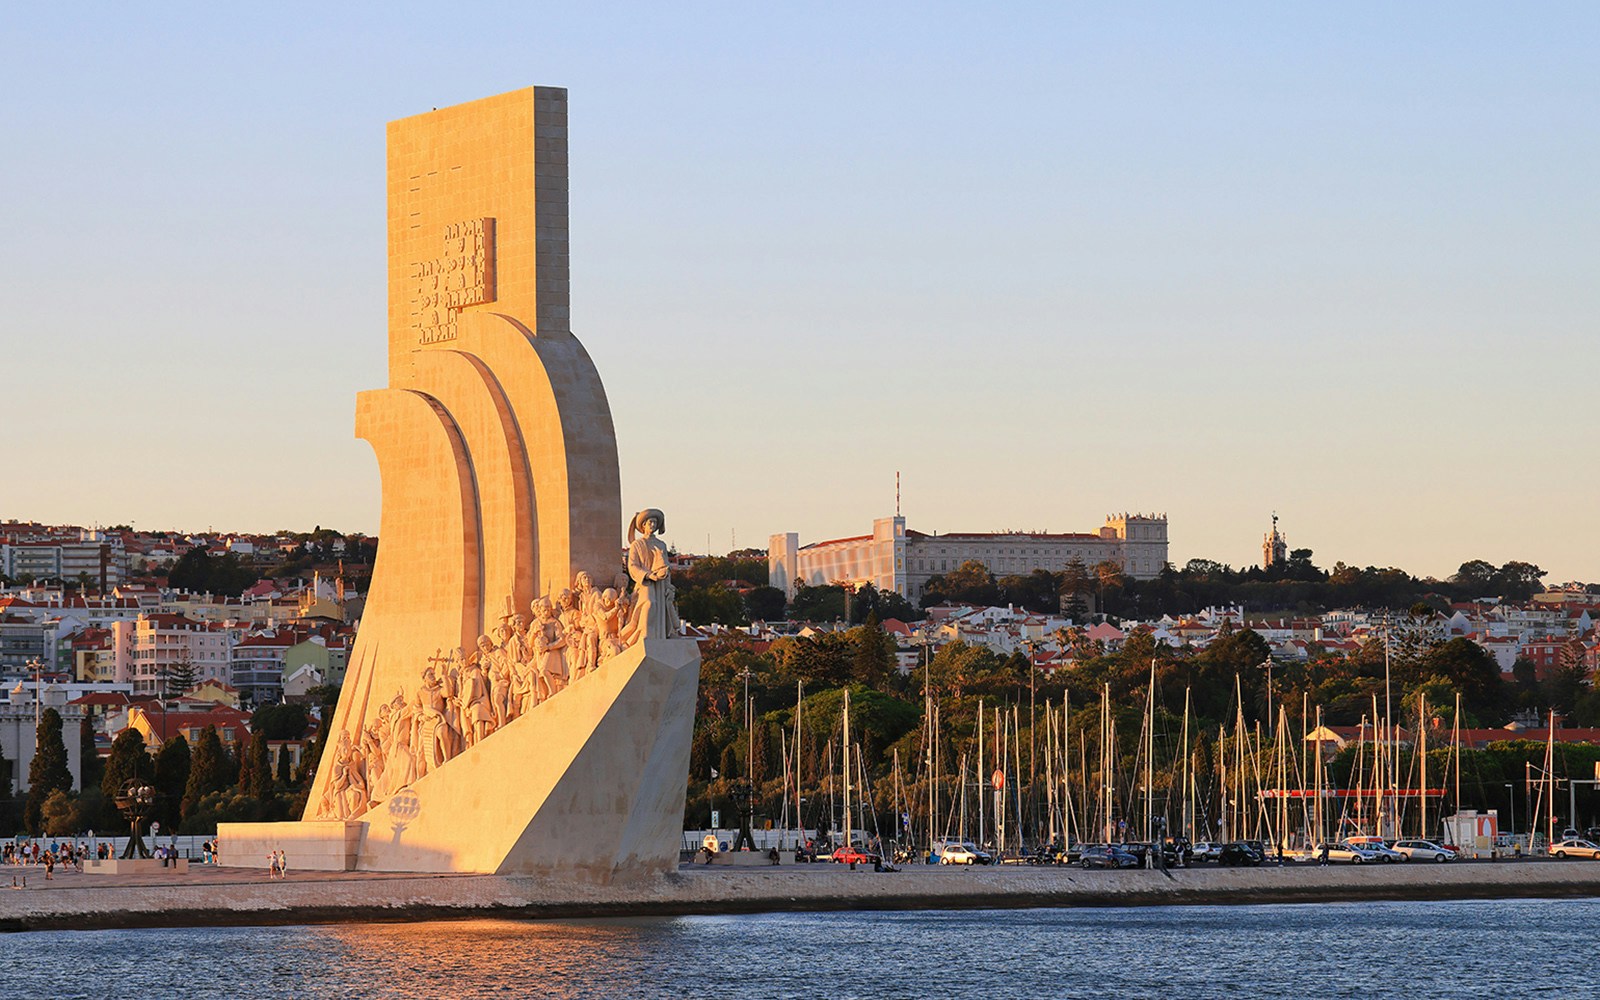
x,y
89,763
281,721
711,604
764,604
172,780
208,770
873,659
260,771
823,603
285,765
761,764
1470,669
200,572
61,815
129,759
702,755
48,772
969,583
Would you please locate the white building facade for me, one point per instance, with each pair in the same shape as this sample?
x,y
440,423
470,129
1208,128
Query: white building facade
x,y
895,558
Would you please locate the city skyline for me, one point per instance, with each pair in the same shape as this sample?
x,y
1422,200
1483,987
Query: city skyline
x,y
1045,264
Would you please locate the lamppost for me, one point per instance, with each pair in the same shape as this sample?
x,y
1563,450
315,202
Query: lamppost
x,y
37,666
1511,797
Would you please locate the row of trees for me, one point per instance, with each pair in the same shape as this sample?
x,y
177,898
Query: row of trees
x,y
1296,585
733,590
197,787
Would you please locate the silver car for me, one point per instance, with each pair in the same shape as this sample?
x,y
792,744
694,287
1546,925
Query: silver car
x,y
1343,851
1424,850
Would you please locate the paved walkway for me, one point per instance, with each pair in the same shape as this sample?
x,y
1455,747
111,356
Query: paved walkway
x,y
215,895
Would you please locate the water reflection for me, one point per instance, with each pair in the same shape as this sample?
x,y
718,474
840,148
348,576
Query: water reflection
x,y
1515,948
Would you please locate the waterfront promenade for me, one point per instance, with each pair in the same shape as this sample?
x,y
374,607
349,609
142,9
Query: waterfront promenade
x,y
209,895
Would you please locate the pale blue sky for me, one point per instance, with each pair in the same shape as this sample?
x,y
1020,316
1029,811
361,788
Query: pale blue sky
x,y
1049,261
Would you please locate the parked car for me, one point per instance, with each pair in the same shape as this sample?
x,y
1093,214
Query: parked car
x,y
1240,854
1424,850
853,856
1348,852
1106,856
1574,847
963,854
1204,851
1377,846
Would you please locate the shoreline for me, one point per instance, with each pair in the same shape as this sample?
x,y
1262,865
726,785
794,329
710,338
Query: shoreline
x,y
215,896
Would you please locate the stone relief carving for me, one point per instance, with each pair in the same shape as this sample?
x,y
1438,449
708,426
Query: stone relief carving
x,y
462,698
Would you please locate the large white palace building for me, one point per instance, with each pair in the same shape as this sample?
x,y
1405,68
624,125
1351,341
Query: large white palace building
x,y
893,558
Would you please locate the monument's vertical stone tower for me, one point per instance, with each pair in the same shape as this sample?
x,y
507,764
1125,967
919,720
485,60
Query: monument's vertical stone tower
x,y
456,728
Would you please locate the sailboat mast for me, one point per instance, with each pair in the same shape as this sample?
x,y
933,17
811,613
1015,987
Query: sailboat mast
x,y
1016,761
1550,781
1149,755
1455,752
980,773
846,769
1050,769
1421,745
799,818
1186,822
1321,834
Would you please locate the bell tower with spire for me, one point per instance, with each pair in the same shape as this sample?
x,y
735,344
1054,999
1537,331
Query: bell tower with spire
x,y
1274,546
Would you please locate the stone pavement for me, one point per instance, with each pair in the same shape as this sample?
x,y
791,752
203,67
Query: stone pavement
x,y
211,895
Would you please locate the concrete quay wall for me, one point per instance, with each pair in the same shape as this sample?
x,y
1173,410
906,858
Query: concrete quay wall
x,y
239,896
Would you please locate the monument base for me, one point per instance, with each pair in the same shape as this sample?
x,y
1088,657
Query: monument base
x,y
588,786
322,846
136,866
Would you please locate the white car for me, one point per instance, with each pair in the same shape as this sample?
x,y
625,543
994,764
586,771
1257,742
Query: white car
x,y
1347,852
961,854
1575,847
1424,850
1385,853
1204,851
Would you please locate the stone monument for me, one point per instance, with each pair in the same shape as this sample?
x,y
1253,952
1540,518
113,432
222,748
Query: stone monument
x,y
518,699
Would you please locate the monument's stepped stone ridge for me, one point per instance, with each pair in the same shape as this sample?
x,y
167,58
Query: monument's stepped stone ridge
x,y
499,583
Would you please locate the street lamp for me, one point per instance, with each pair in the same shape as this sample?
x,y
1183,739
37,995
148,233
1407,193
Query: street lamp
x,y
37,666
1511,796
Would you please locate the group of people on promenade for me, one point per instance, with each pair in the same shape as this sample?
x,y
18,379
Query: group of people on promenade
x,y
277,864
66,854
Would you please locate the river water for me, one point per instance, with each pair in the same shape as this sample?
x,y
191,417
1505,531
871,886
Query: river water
x,y
1510,949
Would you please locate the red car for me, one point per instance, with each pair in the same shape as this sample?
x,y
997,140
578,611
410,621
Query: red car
x,y
850,855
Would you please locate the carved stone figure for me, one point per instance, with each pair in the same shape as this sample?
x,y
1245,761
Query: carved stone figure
x,y
355,800
400,766
333,798
477,714
434,744
372,750
607,619
494,662
572,630
549,648
585,600
655,611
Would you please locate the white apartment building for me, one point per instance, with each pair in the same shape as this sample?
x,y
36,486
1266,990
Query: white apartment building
x,y
161,642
